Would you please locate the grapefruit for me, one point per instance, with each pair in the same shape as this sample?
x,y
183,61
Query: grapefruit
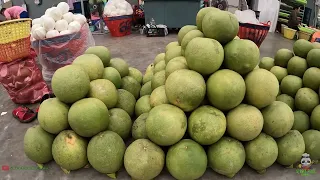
x,y
172,53
136,74
315,118
92,64
266,63
279,72
131,85
311,78
297,66
184,30
171,45
282,57
189,36
158,97
313,58
290,85
176,64
159,67
139,127
311,139
120,122
160,57
126,101
302,47
201,15
112,75
105,91
306,100
143,105
159,79
146,89
102,52
286,99
301,121
120,65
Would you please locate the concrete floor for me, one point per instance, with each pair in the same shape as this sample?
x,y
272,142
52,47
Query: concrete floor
x,y
138,51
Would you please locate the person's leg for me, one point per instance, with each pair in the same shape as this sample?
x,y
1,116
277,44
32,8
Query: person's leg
x,y
24,14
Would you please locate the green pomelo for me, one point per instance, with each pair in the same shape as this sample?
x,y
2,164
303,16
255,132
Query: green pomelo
x,y
189,36
191,155
206,125
185,89
241,56
315,118
120,122
160,57
302,47
112,75
102,52
105,91
182,52
88,117
120,65
166,125
126,101
306,100
159,67
38,145
261,152
282,57
147,77
301,121
311,139
278,119
69,150
313,58
262,88
227,156
139,127
176,64
297,66
158,97
184,30
92,64
221,26
266,63
144,160
226,89
311,78
146,89
53,116
172,53
70,83
291,147
136,74
159,79
171,45
316,45
279,72
201,15
204,55
150,68
143,105
106,151
290,85
131,85
286,99
244,122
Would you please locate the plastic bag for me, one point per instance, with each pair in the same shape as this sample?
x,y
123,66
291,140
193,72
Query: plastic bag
x,y
60,51
23,80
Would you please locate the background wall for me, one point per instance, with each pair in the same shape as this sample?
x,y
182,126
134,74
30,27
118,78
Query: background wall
x,y
311,6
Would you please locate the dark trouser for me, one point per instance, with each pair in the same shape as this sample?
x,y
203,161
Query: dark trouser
x,y
24,14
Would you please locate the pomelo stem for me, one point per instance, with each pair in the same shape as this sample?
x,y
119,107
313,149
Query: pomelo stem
x,y
112,176
87,166
262,171
290,167
65,171
40,166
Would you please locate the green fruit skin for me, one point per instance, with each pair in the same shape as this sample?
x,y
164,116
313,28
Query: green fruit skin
x,y
184,30
147,77
166,125
150,68
278,119
279,72
313,58
297,66
241,56
136,74
189,36
160,57
160,67
185,89
139,127
302,47
266,63
171,45
306,100
112,75
311,78
70,83
106,152
53,116
146,89
282,57
286,99
69,150
244,122
315,118
191,155
120,122
226,89
131,85
204,55
143,105
301,121
201,15
102,52
126,101
311,139
120,65
291,147
172,53
88,117
159,79
92,64
176,64
261,152
105,91
38,145
290,85
144,159
206,125
316,45
158,97
227,156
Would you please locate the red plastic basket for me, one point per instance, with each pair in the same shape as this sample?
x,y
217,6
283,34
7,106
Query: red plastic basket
x,y
119,26
254,32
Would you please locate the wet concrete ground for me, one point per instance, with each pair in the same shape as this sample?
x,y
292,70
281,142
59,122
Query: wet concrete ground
x,y
138,51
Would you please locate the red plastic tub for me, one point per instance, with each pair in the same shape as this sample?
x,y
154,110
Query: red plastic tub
x,y
119,26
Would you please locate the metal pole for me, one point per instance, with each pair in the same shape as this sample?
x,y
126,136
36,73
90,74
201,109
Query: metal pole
x,y
82,8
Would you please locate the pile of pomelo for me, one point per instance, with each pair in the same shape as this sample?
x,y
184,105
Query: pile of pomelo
x,y
203,103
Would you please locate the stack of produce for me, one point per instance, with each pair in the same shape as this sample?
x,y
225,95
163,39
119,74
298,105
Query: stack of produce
x,y
204,99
